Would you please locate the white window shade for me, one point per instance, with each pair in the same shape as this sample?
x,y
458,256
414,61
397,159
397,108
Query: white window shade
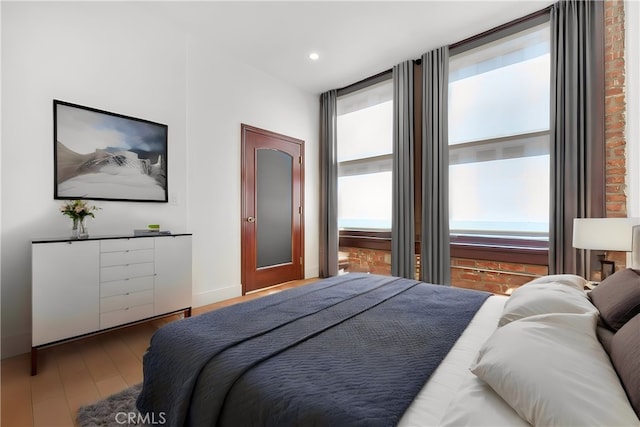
x,y
505,101
499,171
365,146
366,133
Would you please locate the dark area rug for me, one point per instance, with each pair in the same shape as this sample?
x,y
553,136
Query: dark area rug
x,y
116,410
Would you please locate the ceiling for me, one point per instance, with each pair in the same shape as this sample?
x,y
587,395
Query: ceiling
x,y
355,39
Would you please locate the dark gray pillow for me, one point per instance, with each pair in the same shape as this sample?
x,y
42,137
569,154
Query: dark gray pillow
x,y
618,297
605,336
625,355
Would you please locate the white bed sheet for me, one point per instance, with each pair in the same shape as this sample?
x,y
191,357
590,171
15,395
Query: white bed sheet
x,y
453,375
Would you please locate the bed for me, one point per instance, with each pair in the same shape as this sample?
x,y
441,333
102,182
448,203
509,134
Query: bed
x,y
361,349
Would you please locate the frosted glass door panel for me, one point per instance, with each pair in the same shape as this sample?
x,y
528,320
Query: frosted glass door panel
x,y
274,172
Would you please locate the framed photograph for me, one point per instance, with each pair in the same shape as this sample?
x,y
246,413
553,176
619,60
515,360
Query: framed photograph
x,y
100,155
607,268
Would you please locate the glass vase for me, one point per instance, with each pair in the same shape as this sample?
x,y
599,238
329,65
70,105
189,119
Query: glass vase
x,y
83,233
79,229
74,229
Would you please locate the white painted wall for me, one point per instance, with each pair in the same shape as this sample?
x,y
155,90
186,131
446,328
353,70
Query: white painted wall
x,y
223,94
91,54
110,56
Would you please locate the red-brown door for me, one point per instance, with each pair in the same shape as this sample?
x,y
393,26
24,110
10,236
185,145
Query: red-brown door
x,y
272,208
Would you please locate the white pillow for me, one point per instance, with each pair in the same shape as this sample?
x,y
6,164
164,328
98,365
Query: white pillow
x,y
571,280
476,404
544,298
552,371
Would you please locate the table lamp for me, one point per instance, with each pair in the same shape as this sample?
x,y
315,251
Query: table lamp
x,y
604,234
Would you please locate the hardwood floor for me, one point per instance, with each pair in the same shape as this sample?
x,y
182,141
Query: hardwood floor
x,y
81,372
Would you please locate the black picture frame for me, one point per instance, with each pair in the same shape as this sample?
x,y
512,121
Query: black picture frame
x,y
101,155
607,268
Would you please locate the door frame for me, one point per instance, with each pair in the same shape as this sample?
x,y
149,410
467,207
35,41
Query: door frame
x,y
248,246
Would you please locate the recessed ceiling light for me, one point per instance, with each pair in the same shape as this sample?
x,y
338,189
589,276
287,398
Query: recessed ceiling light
x,y
314,56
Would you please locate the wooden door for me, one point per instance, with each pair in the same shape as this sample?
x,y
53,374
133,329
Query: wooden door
x,y
272,208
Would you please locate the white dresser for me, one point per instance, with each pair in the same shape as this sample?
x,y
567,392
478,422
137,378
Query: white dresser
x,y
81,287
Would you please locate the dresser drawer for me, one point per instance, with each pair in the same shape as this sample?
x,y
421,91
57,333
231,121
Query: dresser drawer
x,y
135,256
125,301
122,272
120,317
126,286
120,245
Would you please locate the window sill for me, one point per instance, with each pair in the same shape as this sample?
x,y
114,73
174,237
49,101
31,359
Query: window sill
x,y
367,239
518,255
519,251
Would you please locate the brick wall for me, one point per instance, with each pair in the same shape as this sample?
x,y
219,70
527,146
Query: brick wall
x,y
368,260
502,277
615,122
493,276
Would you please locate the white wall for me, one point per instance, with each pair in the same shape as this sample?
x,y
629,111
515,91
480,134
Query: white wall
x,y
91,55
222,94
110,56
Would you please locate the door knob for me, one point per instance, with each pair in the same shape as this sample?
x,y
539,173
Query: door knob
x,y
251,219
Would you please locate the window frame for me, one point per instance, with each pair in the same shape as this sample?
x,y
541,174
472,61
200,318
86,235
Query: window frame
x,y
497,34
501,249
520,251
505,249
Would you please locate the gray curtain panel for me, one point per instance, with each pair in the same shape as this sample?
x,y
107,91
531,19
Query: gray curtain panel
x,y
435,254
328,185
577,127
402,216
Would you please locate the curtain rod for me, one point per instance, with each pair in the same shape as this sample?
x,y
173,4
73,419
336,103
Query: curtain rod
x,y
470,42
384,75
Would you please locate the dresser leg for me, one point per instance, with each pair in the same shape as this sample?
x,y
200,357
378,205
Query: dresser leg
x,y
187,312
34,361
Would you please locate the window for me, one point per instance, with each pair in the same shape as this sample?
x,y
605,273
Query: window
x,y
365,144
499,172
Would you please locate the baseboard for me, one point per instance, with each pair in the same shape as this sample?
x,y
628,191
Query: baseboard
x,y
216,295
311,271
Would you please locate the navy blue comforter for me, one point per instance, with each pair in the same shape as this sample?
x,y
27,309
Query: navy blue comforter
x,y
346,351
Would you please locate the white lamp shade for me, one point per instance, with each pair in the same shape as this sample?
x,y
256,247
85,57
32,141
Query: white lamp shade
x,y
604,234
